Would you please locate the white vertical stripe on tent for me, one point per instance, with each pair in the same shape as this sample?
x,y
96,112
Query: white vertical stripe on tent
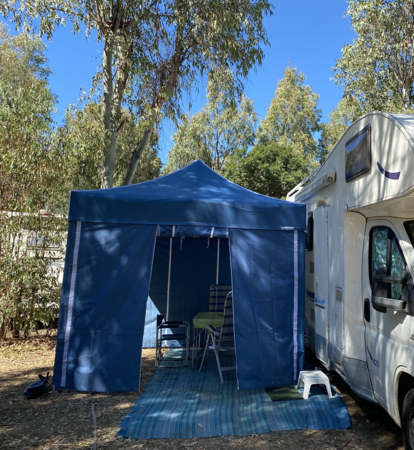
x,y
218,264
169,279
295,304
70,302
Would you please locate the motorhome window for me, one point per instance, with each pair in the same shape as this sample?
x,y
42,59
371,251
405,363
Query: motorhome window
x,y
397,267
358,154
409,228
386,252
379,243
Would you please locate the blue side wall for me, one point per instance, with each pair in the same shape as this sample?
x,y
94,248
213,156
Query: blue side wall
x,y
104,293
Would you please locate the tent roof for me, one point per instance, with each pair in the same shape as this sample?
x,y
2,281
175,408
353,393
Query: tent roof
x,y
194,195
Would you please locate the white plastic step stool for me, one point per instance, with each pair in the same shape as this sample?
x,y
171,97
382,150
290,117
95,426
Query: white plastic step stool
x,y
309,377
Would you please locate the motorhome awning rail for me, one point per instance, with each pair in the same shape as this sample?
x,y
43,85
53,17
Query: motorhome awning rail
x,y
309,191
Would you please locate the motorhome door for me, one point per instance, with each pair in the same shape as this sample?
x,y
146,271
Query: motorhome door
x,y
321,286
386,330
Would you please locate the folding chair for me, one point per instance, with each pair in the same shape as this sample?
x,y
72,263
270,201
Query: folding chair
x,y
218,294
223,340
163,336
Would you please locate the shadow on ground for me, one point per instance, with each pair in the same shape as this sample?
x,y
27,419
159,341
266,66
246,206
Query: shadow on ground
x,y
63,420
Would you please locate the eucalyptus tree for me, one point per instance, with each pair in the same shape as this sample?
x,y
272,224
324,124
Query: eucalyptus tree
x,y
343,115
225,124
153,50
82,136
378,67
293,117
31,173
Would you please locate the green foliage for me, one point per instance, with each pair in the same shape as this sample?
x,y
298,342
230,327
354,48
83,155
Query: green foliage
x,y
31,170
217,131
344,114
293,117
377,68
270,169
154,51
82,139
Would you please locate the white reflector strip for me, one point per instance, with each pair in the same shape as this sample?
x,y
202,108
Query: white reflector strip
x,y
295,304
70,303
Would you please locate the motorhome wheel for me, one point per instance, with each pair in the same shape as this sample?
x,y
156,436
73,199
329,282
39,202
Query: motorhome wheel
x,y
407,420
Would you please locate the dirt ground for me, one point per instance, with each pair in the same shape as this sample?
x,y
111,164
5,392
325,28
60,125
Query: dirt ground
x,y
63,420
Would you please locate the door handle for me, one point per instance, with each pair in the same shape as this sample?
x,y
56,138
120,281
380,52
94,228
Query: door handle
x,y
367,310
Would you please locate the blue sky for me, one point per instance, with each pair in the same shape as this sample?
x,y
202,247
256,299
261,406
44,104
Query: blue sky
x,y
303,33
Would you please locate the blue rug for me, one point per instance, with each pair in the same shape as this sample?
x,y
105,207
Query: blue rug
x,y
184,403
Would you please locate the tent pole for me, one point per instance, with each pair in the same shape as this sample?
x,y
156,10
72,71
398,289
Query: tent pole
x,y
168,283
218,260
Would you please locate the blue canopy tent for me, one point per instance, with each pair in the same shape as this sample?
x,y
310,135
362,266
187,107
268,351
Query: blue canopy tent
x,y
117,237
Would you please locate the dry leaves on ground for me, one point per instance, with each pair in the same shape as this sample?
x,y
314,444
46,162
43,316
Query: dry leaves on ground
x,y
63,420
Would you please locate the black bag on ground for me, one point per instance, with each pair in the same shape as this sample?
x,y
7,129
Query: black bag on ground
x,y
37,389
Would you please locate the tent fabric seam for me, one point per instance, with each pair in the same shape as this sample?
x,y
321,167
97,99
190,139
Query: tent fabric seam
x,y
70,302
233,304
295,303
201,224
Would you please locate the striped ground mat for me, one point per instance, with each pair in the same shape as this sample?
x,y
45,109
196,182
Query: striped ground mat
x,y
184,403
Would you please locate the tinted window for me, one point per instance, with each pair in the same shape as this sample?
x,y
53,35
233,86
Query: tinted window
x,y
385,252
358,154
397,266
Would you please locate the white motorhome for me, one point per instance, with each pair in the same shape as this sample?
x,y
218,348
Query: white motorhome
x,y
360,262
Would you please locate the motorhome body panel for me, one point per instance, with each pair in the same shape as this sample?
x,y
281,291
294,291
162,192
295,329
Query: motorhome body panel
x,y
321,283
353,356
354,233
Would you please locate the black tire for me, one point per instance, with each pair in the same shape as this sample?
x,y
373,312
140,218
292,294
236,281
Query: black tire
x,y
407,420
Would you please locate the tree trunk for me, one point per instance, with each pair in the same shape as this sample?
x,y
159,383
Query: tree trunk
x,y
406,97
16,331
406,94
108,163
113,95
3,330
136,156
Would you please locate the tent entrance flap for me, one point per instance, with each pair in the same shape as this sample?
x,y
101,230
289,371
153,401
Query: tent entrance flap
x,y
268,306
99,344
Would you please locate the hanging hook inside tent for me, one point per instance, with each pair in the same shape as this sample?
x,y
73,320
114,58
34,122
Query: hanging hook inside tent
x,y
181,242
208,242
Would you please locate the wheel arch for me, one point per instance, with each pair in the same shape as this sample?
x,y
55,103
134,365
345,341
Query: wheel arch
x,y
404,382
